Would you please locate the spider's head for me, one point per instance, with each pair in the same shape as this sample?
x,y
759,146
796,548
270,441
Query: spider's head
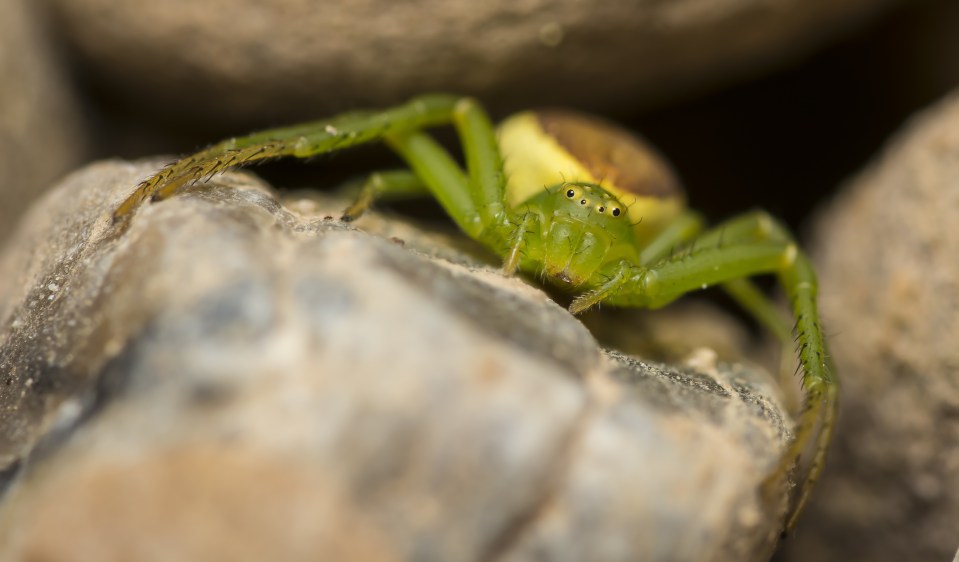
x,y
587,227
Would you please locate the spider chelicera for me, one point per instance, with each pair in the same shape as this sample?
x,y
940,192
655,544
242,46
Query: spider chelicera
x,y
578,202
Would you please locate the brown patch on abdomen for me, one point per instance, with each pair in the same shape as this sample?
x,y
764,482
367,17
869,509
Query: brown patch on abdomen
x,y
613,155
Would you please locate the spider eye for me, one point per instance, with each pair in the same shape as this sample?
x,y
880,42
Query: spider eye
x,y
571,193
616,211
601,209
582,201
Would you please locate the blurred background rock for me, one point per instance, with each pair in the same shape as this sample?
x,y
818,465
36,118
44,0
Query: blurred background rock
x,y
41,123
747,97
758,103
743,95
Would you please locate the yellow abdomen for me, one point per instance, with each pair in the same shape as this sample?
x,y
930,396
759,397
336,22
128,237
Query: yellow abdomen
x,y
547,147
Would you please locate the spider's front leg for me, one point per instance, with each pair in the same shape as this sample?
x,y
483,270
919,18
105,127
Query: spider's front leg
x,y
475,200
749,245
299,141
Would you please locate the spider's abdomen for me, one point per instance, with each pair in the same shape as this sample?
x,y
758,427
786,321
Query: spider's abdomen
x,y
543,148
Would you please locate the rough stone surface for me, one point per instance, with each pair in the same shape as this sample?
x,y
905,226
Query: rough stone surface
x,y
40,125
290,59
230,378
887,253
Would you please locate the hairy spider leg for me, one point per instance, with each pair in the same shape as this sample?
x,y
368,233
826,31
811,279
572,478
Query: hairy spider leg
x,y
301,141
394,185
752,226
820,385
748,226
753,243
385,185
688,226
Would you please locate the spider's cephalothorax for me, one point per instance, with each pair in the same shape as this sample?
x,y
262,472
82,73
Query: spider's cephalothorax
x,y
579,199
608,193
583,228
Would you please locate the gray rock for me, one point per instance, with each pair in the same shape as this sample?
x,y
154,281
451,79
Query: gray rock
x,y
890,293
40,123
291,59
230,378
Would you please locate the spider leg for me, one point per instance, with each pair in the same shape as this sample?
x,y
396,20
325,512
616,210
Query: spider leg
x,y
528,223
477,201
748,226
689,225
301,141
615,284
387,185
755,244
402,184
765,311
680,231
758,225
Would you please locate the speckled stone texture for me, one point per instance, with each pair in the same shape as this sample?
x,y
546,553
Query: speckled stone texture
x,y
248,61
888,255
229,378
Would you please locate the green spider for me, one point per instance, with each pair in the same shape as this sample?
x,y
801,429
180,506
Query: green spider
x,y
576,201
